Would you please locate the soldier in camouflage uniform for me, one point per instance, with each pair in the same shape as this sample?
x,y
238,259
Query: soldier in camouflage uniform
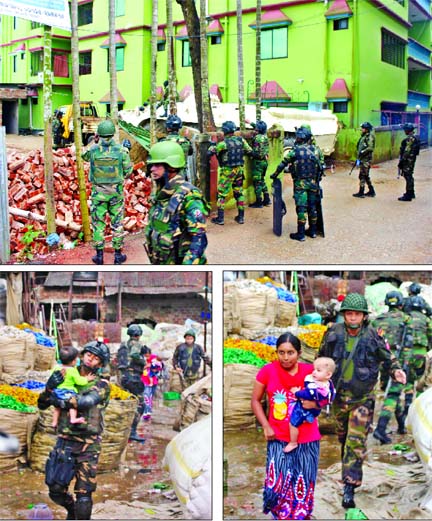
x,y
306,176
173,125
109,166
57,129
409,150
176,229
76,453
358,351
187,359
260,148
230,155
414,291
365,148
396,327
130,364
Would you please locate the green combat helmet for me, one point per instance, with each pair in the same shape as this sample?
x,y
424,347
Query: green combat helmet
x,y
168,152
190,332
354,302
106,128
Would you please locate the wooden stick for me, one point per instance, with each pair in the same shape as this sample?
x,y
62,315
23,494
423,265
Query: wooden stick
x,y
42,219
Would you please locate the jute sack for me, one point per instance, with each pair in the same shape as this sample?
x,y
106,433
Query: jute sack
x,y
16,356
21,425
239,380
195,402
44,357
285,314
117,424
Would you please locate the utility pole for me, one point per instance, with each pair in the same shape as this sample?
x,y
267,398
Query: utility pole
x,y
240,66
153,72
258,95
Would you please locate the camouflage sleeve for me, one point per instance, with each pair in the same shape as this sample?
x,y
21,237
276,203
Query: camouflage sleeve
x,y
369,145
247,148
220,147
288,158
194,222
99,393
389,362
86,155
127,165
176,357
429,333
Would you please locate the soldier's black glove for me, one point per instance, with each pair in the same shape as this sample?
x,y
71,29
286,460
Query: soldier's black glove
x,y
274,175
400,164
54,381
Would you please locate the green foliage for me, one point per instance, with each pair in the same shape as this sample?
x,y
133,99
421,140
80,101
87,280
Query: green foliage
x,y
28,239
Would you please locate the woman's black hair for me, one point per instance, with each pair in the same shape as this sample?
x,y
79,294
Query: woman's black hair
x,y
292,339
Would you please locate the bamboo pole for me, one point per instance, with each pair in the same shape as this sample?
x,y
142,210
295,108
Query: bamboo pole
x,y
42,219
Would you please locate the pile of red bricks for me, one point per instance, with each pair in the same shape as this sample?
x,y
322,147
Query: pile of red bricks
x,y
27,194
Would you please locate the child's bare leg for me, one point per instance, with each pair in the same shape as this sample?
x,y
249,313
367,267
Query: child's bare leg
x,y
293,437
73,413
56,416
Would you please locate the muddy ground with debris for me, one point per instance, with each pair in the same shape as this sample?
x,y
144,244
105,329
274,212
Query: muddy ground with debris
x,y
380,230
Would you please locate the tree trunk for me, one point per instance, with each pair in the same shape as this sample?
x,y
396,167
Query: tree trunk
x,y
193,29
153,72
205,91
113,66
172,77
77,124
240,66
258,95
48,157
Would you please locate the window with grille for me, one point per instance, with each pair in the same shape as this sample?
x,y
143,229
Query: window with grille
x,y
35,25
338,25
36,63
216,39
274,43
85,63
392,49
85,13
161,46
186,57
340,107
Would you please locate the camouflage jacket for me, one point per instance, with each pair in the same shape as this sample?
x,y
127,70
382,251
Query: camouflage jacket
x,y
109,162
370,353
260,147
394,326
422,329
365,146
189,359
409,150
184,142
177,217
91,403
130,356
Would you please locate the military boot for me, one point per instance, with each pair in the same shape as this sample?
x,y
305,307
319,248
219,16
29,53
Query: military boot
x,y
300,235
406,197
348,496
257,204
266,200
98,258
311,231
380,432
119,257
240,217
371,192
220,217
360,193
83,507
401,423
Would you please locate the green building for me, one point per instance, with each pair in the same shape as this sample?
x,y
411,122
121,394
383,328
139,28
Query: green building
x,y
367,60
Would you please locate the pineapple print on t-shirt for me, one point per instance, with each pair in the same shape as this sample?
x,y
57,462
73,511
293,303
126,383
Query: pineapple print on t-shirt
x,y
280,405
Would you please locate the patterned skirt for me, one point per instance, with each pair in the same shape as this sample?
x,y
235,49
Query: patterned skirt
x,y
290,480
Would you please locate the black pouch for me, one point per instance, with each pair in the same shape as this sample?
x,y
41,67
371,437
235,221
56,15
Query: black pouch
x,y
60,467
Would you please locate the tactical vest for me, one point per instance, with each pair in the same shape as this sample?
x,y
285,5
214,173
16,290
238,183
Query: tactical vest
x,y
183,357
233,155
419,328
106,165
393,325
365,359
305,162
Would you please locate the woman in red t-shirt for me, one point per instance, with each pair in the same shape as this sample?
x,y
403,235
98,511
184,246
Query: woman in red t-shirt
x,y
290,477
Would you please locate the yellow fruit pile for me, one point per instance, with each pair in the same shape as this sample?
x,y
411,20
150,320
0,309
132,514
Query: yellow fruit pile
x,y
314,336
119,394
20,393
263,351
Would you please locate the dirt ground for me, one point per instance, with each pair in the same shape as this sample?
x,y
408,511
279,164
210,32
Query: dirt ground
x,y
380,230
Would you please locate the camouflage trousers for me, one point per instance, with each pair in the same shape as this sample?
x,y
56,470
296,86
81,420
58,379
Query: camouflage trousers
x,y
230,177
83,459
306,197
364,176
408,174
107,204
353,424
259,169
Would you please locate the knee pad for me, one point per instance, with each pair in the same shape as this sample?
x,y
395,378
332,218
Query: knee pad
x,y
83,506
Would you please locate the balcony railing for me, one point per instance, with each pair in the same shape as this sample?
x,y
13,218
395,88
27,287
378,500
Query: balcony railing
x,y
418,98
418,52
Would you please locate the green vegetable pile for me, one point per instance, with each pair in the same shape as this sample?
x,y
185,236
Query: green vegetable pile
x,y
241,356
9,402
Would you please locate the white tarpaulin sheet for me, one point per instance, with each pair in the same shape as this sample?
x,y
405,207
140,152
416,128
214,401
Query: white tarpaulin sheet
x,y
47,12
